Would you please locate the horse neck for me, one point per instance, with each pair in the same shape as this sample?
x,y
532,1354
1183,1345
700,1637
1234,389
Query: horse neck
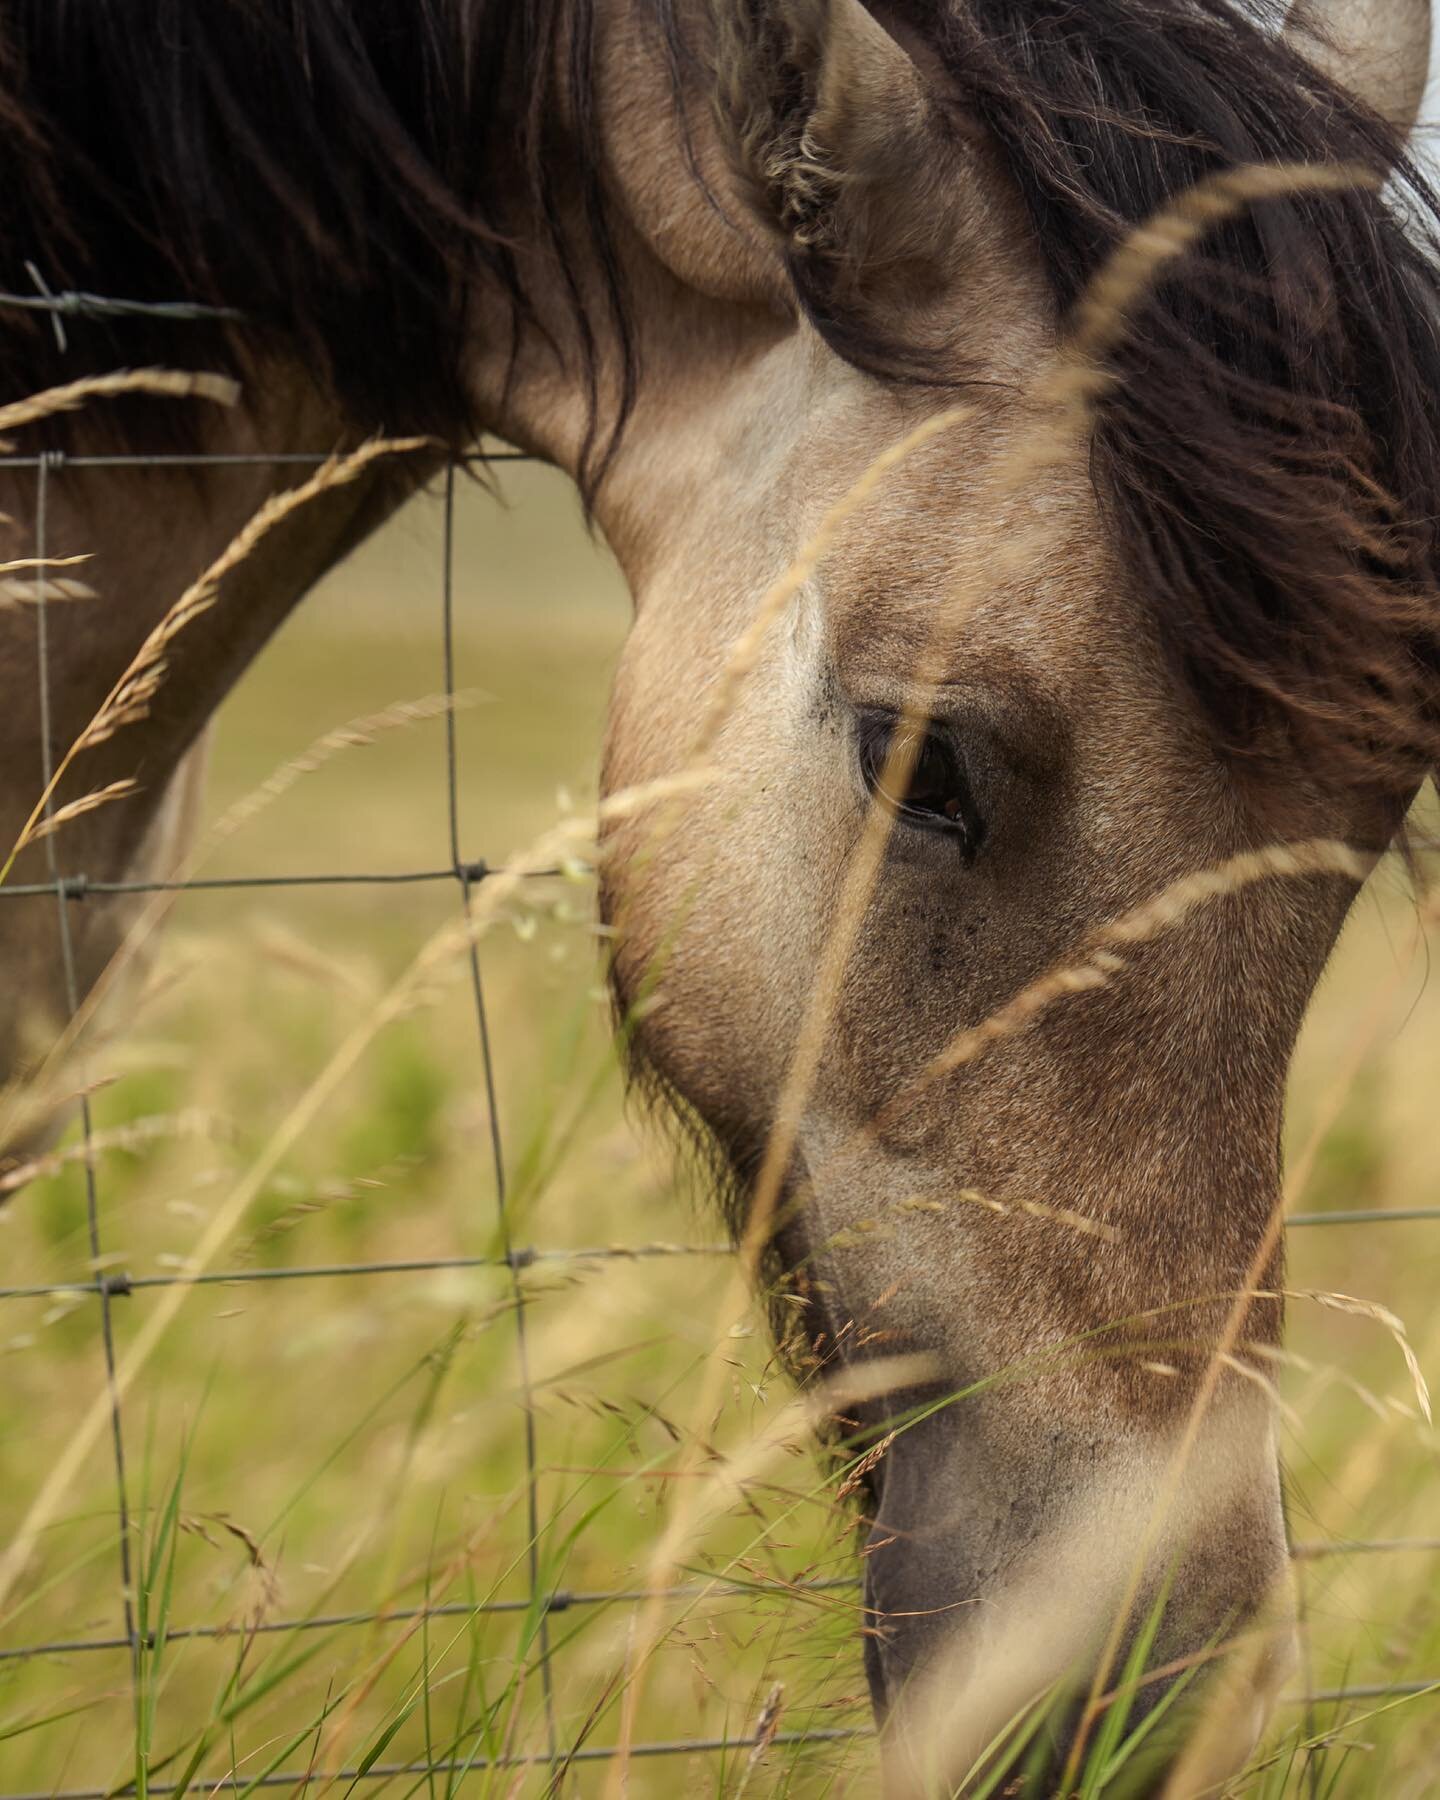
x,y
710,320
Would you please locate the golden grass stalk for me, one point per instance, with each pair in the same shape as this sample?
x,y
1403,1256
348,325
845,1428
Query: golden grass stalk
x,y
293,952
1163,912
18,594
766,1726
400,715
745,651
1362,1472
17,563
192,1122
1104,311
1323,1375
1065,1216
789,1428
1247,1371
129,699
1382,1316
87,803
170,384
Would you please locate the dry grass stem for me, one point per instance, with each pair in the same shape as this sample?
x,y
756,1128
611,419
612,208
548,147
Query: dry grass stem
x,y
1380,1315
87,803
355,734
129,699
1258,1378
1327,1375
864,1466
763,1733
1167,909
139,1134
745,651
17,595
787,1429
1104,312
170,384
1162,912
46,562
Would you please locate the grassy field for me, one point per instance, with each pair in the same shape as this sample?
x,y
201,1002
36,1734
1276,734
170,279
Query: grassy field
x,y
306,1448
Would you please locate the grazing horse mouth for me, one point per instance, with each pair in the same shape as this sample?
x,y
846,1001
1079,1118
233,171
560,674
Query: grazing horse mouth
x,y
1002,1631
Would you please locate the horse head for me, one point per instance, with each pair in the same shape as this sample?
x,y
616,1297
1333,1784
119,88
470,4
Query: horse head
x,y
987,1081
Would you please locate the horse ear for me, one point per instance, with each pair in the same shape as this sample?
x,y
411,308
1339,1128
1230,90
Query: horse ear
x,y
843,152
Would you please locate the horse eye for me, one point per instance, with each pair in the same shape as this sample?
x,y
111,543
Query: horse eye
x,y
936,792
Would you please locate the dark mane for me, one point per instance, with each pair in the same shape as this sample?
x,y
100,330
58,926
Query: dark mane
x,y
342,175
1270,447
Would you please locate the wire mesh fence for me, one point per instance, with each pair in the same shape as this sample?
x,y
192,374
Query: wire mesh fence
x,y
109,1287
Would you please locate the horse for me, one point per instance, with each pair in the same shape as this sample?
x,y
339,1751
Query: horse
x,y
1085,358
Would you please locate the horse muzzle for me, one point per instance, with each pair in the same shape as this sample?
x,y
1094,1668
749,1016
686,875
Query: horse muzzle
x,y
1103,1604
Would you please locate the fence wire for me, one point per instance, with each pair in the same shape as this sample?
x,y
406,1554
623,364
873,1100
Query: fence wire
x,y
71,888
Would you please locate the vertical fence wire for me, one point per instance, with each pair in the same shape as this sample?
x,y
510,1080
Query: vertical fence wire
x,y
464,874
49,464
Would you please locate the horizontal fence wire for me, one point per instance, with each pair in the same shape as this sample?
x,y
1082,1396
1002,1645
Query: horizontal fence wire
x,y
587,1753
81,887
119,1282
75,304
114,1283
563,1600
560,1601
56,460
68,889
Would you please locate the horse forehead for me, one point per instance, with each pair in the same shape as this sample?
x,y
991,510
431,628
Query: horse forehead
x,y
968,499
960,583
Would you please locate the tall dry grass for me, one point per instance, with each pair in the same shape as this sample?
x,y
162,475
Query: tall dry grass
x,y
707,1486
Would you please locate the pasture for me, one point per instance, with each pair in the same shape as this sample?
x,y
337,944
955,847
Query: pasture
x,y
303,1449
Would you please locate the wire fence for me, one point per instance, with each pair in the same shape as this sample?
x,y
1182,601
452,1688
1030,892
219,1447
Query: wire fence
x,y
109,1287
